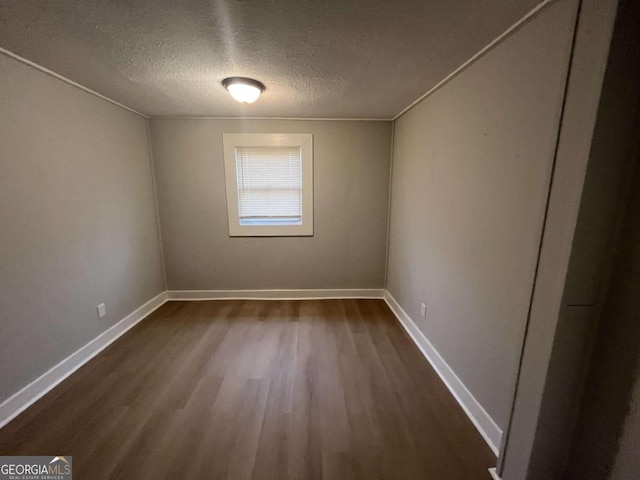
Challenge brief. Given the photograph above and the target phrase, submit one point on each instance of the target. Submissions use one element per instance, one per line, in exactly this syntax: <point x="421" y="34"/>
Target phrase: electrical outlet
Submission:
<point x="102" y="310"/>
<point x="423" y="310"/>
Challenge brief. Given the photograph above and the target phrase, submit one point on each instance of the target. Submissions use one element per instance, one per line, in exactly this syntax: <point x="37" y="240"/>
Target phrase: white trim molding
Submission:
<point x="69" y="81"/>
<point x="489" y="430"/>
<point x="310" y="294"/>
<point x="303" y="144"/>
<point x="496" y="41"/>
<point x="27" y="396"/>
<point x="297" y="119"/>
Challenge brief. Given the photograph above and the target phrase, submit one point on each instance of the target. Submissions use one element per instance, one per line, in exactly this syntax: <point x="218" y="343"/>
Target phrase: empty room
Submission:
<point x="293" y="239"/>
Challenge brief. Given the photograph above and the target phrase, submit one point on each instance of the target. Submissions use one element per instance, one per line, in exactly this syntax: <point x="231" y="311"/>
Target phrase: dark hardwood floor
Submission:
<point x="330" y="389"/>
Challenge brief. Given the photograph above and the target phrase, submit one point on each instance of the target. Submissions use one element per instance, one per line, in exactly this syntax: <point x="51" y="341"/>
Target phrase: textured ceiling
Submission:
<point x="318" y="58"/>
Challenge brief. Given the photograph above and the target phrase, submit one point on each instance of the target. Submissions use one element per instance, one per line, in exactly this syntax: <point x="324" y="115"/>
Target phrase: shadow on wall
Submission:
<point x="615" y="366"/>
<point x="605" y="419"/>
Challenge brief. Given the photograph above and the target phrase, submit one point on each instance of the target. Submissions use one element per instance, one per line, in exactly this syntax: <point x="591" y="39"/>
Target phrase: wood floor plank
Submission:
<point x="264" y="390"/>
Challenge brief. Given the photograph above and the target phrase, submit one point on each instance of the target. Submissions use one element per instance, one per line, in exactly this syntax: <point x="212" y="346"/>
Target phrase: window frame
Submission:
<point x="303" y="140"/>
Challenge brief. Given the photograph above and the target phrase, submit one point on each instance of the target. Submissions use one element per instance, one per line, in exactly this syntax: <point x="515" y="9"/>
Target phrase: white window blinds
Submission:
<point x="269" y="183"/>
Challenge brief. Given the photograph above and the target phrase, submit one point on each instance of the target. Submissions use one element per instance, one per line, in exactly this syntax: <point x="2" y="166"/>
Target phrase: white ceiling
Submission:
<point x="318" y="58"/>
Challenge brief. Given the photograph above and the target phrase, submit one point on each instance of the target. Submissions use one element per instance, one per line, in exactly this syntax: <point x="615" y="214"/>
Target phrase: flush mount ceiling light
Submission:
<point x="244" y="90"/>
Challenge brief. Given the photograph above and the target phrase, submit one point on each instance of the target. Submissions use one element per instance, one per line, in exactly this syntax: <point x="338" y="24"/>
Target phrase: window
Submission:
<point x="269" y="180"/>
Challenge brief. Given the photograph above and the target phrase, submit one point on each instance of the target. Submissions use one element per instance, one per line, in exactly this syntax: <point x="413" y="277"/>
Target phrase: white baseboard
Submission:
<point x="27" y="396"/>
<point x="309" y="294"/>
<point x="478" y="415"/>
<point x="23" y="399"/>
<point x="494" y="474"/>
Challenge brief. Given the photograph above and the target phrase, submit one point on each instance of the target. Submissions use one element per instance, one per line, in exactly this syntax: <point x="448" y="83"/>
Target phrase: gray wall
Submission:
<point x="545" y="325"/>
<point x="627" y="460"/>
<point x="606" y="443"/>
<point x="351" y="183"/>
<point x="601" y="211"/>
<point x="623" y="348"/>
<point x="77" y="216"/>
<point x="611" y="417"/>
<point x="471" y="169"/>
<point x="607" y="436"/>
